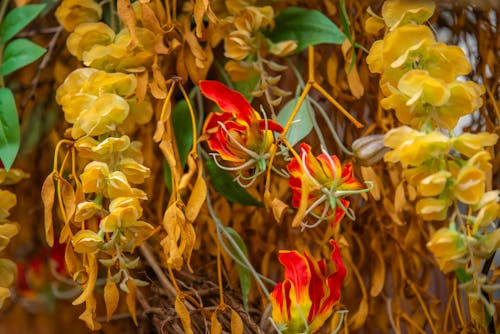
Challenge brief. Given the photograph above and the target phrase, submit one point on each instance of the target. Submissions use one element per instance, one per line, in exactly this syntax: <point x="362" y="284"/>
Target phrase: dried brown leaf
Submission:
<point x="353" y="79"/>
<point x="48" y="193"/>
<point x="236" y="323"/>
<point x="198" y="196"/>
<point x="279" y="209"/>
<point x="130" y="300"/>
<point x="127" y="16"/>
<point x="216" y="327"/>
<point x="183" y="314"/>
<point x="378" y="276"/>
<point x="68" y="198"/>
<point x="111" y="298"/>
<point x="369" y="175"/>
<point x="150" y="21"/>
<point x="142" y="85"/>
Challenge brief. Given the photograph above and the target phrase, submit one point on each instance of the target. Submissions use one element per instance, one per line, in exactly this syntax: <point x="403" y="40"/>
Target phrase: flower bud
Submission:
<point x="370" y="149"/>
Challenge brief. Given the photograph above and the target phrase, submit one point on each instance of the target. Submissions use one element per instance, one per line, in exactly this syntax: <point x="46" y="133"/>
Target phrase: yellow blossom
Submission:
<point x="469" y="144"/>
<point x="71" y="13"/>
<point x="7" y="201"/>
<point x="86" y="210"/>
<point x="117" y="185"/>
<point x="86" y="241"/>
<point x="412" y="147"/>
<point x="7" y="231"/>
<point x="469" y="186"/>
<point x="117" y="56"/>
<point x="434" y="184"/>
<point x="94" y="177"/>
<point x="449" y="248"/>
<point x="105" y="113"/>
<point x="400" y="12"/>
<point x="135" y="172"/>
<point x="86" y="35"/>
<point x="433" y="208"/>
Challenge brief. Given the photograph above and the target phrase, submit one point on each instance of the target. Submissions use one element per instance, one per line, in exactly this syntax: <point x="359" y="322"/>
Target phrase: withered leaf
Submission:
<point x="48" y="193"/>
<point x="183" y="314"/>
<point x="111" y="298"/>
<point x="70" y="259"/>
<point x="91" y="270"/>
<point x="190" y="241"/>
<point x="68" y="198"/>
<point x="378" y="276"/>
<point x="198" y="196"/>
<point x="369" y="174"/>
<point x="279" y="209"/>
<point x="150" y="20"/>
<point x="236" y="323"/>
<point x="130" y="300"/>
<point x="353" y="78"/>
<point x="142" y="85"/>
<point x="216" y="327"/>
<point x="126" y="14"/>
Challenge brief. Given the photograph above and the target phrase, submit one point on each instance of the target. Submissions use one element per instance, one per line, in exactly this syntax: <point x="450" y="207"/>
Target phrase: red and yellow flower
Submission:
<point x="305" y="298"/>
<point x="320" y="184"/>
<point x="239" y="135"/>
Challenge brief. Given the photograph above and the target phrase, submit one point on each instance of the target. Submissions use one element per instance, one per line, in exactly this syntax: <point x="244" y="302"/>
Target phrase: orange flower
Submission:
<point x="326" y="183"/>
<point x="239" y="135"/>
<point x="305" y="298"/>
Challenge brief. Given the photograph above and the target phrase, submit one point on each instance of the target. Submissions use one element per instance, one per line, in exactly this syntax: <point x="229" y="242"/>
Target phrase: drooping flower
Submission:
<point x="400" y="12"/>
<point x="420" y="98"/>
<point x="305" y="298"/>
<point x="239" y="135"/>
<point x="325" y="183"/>
<point x="412" y="147"/>
<point x="449" y="247"/>
<point x="71" y="13"/>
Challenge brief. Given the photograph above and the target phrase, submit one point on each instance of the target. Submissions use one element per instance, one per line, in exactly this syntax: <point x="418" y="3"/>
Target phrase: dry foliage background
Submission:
<point x="393" y="280"/>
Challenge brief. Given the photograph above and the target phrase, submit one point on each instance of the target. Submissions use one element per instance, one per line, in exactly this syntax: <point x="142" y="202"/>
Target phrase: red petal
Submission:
<point x="228" y="100"/>
<point x="213" y="119"/>
<point x="271" y="125"/>
<point x="348" y="180"/>
<point x="316" y="287"/>
<point x="335" y="280"/>
<point x="296" y="271"/>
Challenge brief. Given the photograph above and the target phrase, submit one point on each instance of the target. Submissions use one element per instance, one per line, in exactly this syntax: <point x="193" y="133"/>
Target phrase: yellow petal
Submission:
<point x="433" y="184"/>
<point x="469" y="186"/>
<point x="400" y="12"/>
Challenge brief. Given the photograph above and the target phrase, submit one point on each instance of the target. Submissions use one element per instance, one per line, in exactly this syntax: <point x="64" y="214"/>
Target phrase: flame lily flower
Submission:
<point x="239" y="135"/>
<point x="325" y="182"/>
<point x="305" y="298"/>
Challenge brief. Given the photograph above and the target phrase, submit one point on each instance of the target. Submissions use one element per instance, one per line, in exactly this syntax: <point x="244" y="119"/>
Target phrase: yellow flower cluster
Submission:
<point x="102" y="105"/>
<point x="8" y="229"/>
<point x="97" y="45"/>
<point x="449" y="172"/>
<point x="418" y="74"/>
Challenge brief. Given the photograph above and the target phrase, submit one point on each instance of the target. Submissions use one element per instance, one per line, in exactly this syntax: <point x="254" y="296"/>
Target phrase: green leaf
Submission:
<point x="302" y="124"/>
<point x="307" y="27"/>
<point x="223" y="182"/>
<point x="244" y="273"/>
<point x="183" y="132"/>
<point x="17" y="19"/>
<point x="18" y="53"/>
<point x="9" y="128"/>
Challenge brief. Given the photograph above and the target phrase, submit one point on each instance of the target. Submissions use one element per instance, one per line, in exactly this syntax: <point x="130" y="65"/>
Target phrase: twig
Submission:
<point x="165" y="283"/>
<point x="43" y="65"/>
